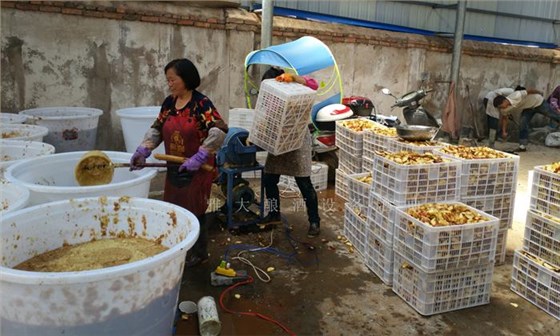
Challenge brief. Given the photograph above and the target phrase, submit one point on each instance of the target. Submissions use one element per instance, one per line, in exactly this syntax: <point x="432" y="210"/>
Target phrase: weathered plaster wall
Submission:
<point x="111" y="55"/>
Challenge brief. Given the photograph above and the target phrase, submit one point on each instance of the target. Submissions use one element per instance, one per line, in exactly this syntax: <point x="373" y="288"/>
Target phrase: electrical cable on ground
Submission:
<point x="261" y="316"/>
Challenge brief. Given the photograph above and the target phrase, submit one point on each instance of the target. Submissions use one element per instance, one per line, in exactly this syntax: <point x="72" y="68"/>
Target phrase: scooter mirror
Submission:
<point x="386" y="91"/>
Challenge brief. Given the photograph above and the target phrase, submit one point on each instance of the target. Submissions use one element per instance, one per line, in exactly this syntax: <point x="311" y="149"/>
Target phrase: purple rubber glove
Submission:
<point x="195" y="162"/>
<point x="139" y="157"/>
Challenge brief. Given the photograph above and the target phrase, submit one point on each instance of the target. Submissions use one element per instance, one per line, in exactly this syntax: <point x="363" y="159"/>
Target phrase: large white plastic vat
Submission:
<point x="23" y="132"/>
<point x="12" y="197"/>
<point x="70" y="128"/>
<point x="12" y="118"/>
<point x="135" y="122"/>
<point x="51" y="178"/>
<point x="11" y="151"/>
<point x="138" y="298"/>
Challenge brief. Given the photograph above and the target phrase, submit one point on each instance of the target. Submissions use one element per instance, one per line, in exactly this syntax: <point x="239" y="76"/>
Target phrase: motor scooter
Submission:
<point x="413" y="111"/>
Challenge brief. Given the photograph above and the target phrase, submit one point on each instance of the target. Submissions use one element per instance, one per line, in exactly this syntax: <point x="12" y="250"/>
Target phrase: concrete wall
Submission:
<point x="111" y="55"/>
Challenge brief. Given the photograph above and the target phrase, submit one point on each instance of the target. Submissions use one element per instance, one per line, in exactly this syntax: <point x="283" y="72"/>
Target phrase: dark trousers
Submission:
<point x="307" y="191"/>
<point x="528" y="114"/>
<point x="200" y="248"/>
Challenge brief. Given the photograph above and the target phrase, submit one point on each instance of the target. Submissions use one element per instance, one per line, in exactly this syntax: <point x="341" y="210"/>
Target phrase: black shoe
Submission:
<point x="314" y="230"/>
<point x="521" y="148"/>
<point x="271" y="218"/>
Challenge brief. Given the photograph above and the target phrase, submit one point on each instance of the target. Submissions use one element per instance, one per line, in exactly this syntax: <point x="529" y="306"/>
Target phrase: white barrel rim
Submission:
<point x="84" y="113"/>
<point x="52" y="278"/>
<point x="77" y="189"/>
<point x="133" y="112"/>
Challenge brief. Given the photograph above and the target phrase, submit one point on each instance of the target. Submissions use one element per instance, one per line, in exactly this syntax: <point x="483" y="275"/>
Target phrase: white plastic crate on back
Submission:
<point x="376" y="140"/>
<point x="341" y="184"/>
<point x="282" y="114"/>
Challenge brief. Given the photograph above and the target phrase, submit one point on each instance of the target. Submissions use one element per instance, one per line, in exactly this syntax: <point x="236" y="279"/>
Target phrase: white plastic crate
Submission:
<point x="349" y="162"/>
<point x="487" y="176"/>
<point x="443" y="291"/>
<point x="500" y="206"/>
<point x="352" y="140"/>
<point x="241" y="117"/>
<point x="397" y="145"/>
<point x="355" y="229"/>
<point x="341" y="184"/>
<point x="545" y="191"/>
<point x="542" y="236"/>
<point x="358" y="191"/>
<point x="282" y="113"/>
<point x="374" y="142"/>
<point x="381" y="218"/>
<point x="445" y="247"/>
<point x="415" y="184"/>
<point x="536" y="283"/>
<point x="380" y="258"/>
<point x="501" y="247"/>
<point x="367" y="165"/>
<point x="319" y="178"/>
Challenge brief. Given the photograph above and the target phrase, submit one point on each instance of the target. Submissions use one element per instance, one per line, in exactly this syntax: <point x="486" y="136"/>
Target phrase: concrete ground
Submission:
<point x="319" y="286"/>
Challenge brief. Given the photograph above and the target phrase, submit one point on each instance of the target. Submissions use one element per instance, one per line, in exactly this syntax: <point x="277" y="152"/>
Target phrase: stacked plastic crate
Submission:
<point x="536" y="267"/>
<point x="444" y="256"/>
<point x="422" y="146"/>
<point x="281" y="116"/>
<point x="350" y="140"/>
<point x="355" y="211"/>
<point x="399" y="179"/>
<point x="488" y="183"/>
<point x="377" y="139"/>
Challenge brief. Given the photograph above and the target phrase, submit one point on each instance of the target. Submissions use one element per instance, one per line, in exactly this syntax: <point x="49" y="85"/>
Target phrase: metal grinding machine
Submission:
<point x="235" y="157"/>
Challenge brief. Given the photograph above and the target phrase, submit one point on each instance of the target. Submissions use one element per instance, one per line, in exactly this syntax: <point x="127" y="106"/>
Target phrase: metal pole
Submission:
<point x="266" y="25"/>
<point x="459" y="29"/>
<point x="457" y="46"/>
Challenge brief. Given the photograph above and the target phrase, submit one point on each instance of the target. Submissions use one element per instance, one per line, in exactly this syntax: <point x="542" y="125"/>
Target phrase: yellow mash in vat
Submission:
<point x="94" y="168"/>
<point x="92" y="255"/>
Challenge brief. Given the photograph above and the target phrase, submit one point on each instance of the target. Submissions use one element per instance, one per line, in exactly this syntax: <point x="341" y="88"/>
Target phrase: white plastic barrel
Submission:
<point x="139" y="298"/>
<point x="23" y="132"/>
<point x="70" y="128"/>
<point x="135" y="122"/>
<point x="13" y="197"/>
<point x="11" y="151"/>
<point x="11" y="118"/>
<point x="51" y="178"/>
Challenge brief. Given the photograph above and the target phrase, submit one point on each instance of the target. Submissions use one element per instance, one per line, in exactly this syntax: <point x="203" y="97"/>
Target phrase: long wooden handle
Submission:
<point x="145" y="165"/>
<point x="179" y="159"/>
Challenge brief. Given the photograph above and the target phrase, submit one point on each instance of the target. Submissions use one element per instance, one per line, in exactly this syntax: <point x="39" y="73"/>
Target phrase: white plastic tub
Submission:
<point x="138" y="298"/>
<point x="51" y="178"/>
<point x="11" y="118"/>
<point x="70" y="128"/>
<point x="13" y="197"/>
<point x="135" y="122"/>
<point x="23" y="132"/>
<point x="11" y="151"/>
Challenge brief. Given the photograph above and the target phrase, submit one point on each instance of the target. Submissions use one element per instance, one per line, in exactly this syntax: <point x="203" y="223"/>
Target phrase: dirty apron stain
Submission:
<point x="182" y="138"/>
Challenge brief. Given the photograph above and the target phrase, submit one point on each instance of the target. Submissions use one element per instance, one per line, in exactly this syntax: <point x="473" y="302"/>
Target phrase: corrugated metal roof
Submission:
<point x="530" y="20"/>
